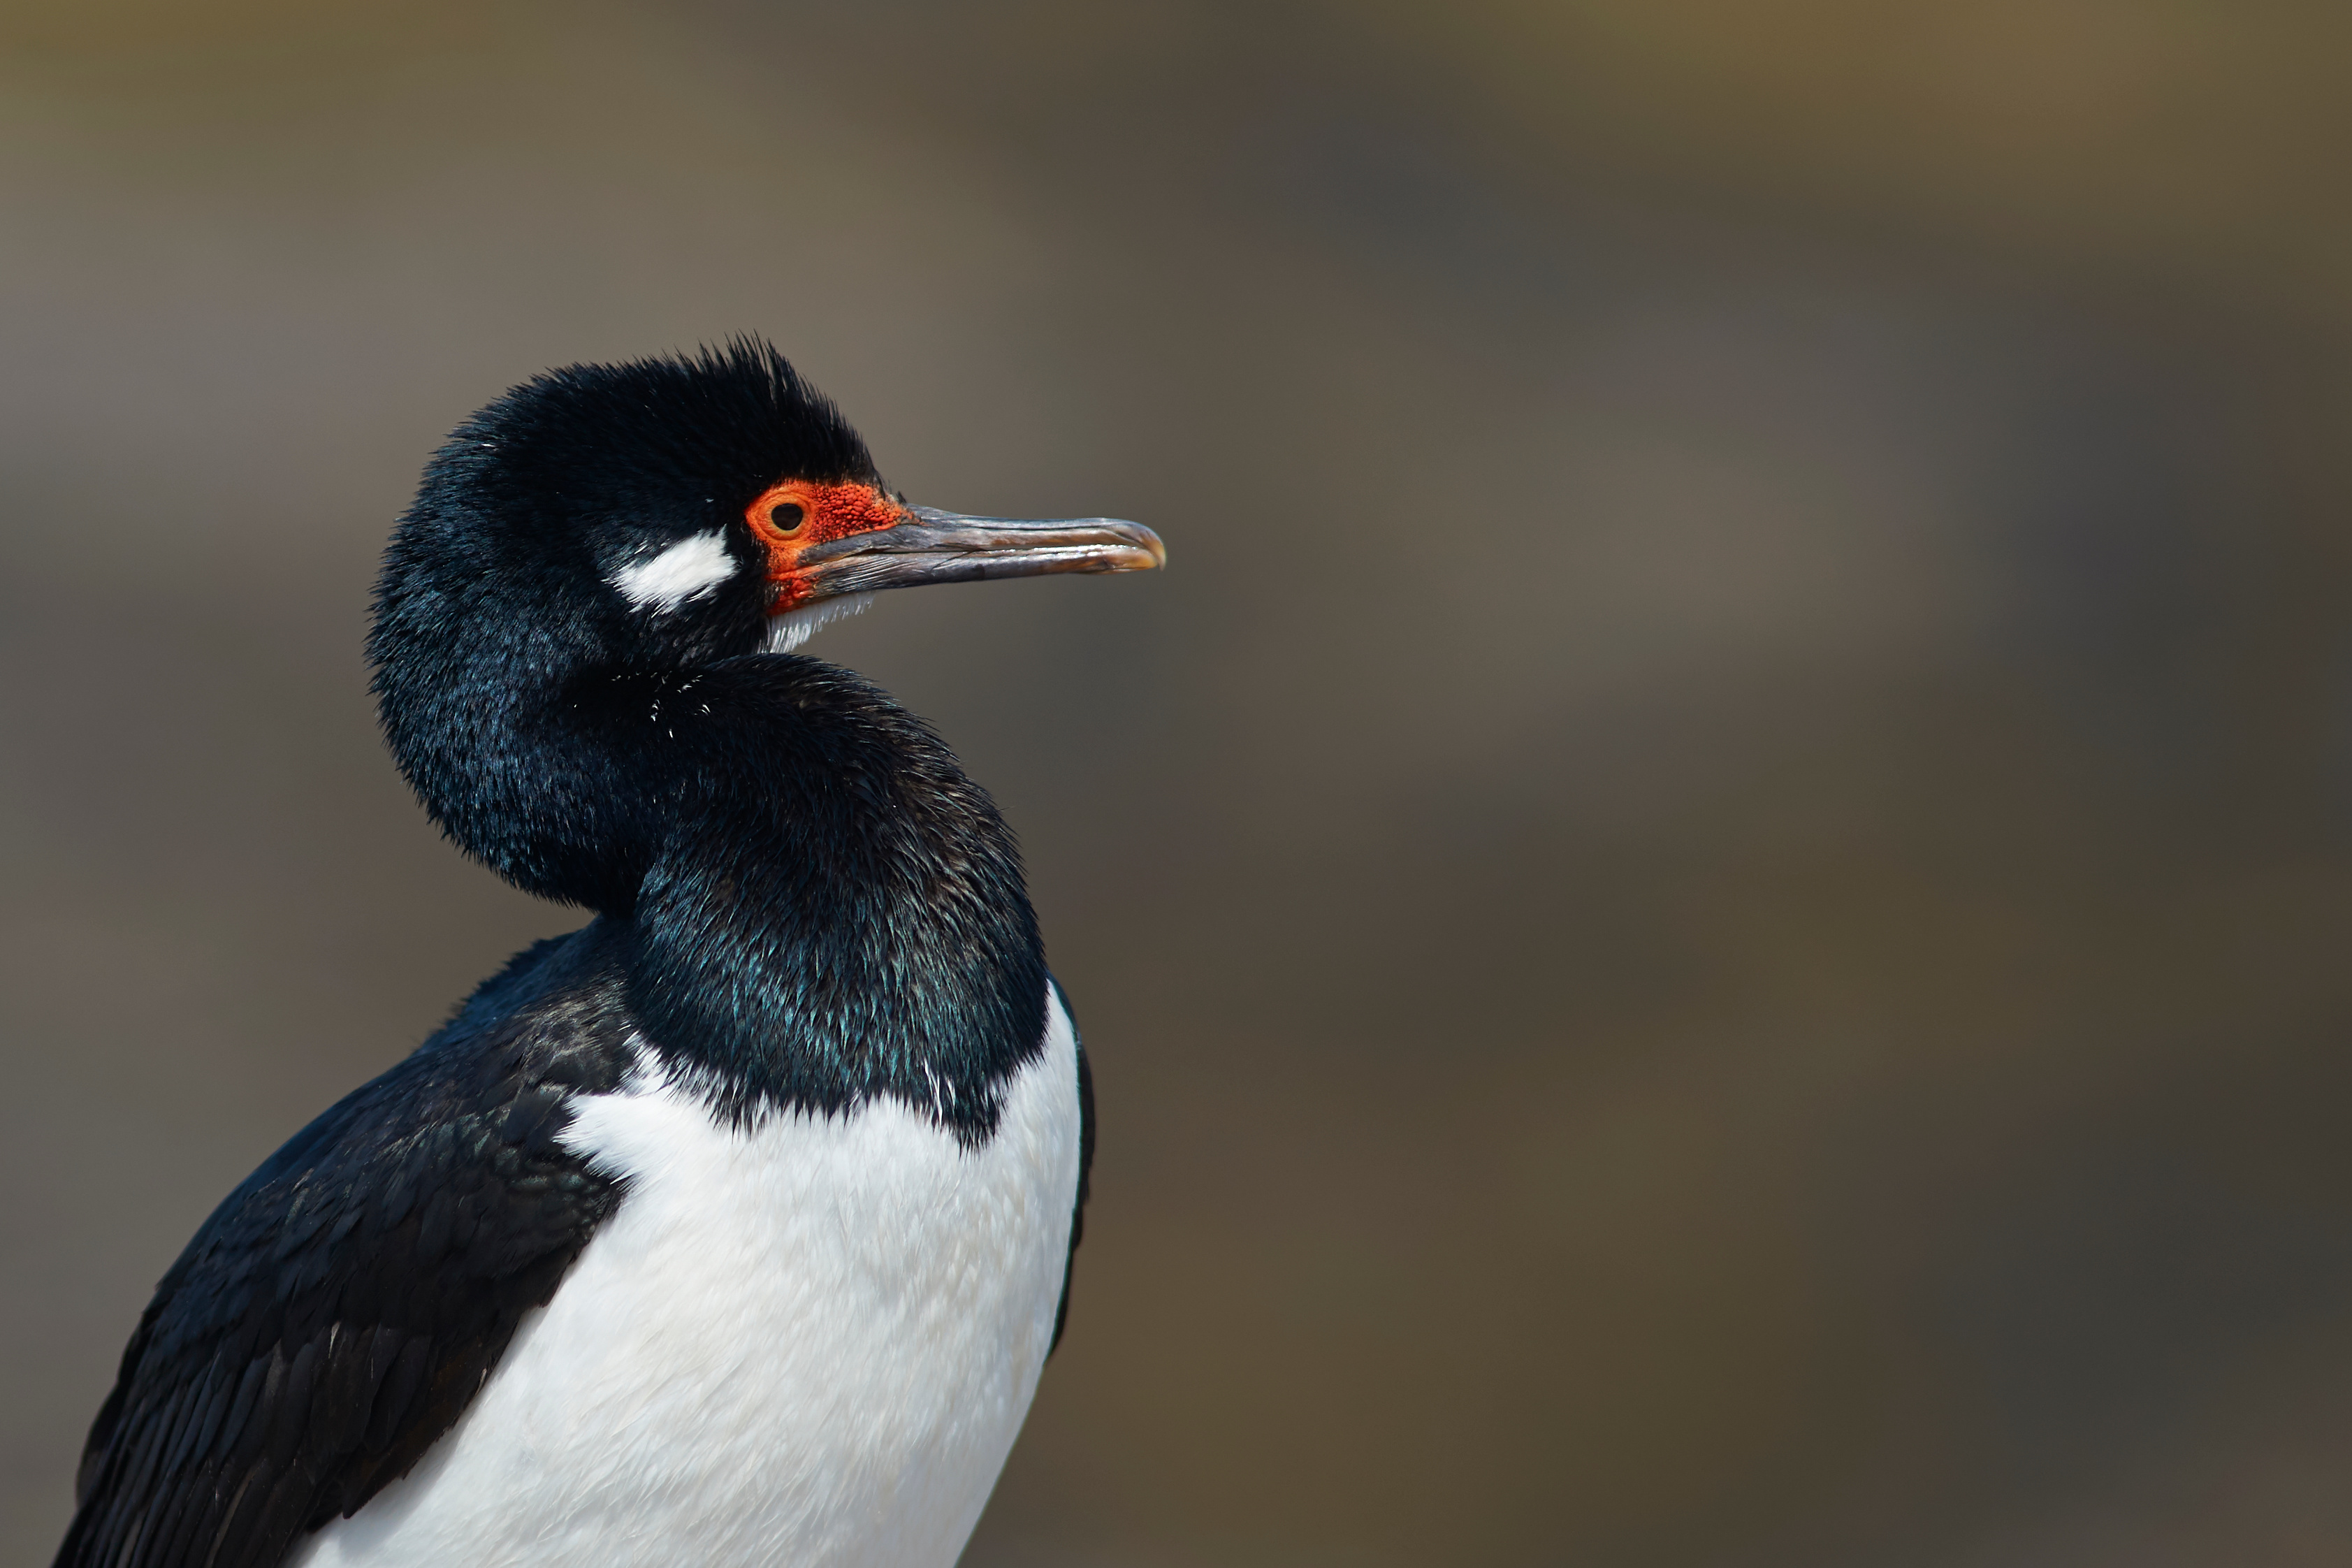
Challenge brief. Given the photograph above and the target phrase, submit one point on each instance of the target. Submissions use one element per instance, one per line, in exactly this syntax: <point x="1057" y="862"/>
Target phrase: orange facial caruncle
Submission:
<point x="790" y="517"/>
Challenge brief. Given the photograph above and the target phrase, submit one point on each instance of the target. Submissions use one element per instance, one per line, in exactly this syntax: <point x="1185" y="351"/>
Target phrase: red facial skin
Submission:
<point x="827" y="512"/>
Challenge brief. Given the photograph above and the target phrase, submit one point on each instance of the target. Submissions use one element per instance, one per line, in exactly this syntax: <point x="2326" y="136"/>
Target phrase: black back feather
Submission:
<point x="339" y="1310"/>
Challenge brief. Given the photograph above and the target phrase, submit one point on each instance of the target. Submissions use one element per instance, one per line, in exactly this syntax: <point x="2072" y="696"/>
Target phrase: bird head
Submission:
<point x="680" y="510"/>
<point x="601" y="530"/>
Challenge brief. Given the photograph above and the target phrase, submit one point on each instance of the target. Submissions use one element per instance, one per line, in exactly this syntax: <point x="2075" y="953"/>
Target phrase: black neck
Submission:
<point x="814" y="906"/>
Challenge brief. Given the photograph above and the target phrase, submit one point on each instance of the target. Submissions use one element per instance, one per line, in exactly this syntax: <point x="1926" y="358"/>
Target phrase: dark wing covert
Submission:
<point x="341" y="1308"/>
<point x="1086" y="1163"/>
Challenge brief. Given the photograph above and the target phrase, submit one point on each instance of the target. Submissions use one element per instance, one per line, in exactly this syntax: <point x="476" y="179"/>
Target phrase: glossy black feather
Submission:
<point x="1086" y="1168"/>
<point x="336" y="1314"/>
<point x="839" y="912"/>
<point x="494" y="617"/>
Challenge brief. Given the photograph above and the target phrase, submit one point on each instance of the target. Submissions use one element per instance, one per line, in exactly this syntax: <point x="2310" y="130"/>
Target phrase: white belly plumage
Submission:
<point x="811" y="1343"/>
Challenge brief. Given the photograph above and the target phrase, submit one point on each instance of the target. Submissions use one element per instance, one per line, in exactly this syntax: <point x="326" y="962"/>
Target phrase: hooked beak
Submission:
<point x="933" y="546"/>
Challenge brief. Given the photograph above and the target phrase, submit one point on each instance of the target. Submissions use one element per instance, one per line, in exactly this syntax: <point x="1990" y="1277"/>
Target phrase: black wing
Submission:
<point x="337" y="1313"/>
<point x="1086" y="1162"/>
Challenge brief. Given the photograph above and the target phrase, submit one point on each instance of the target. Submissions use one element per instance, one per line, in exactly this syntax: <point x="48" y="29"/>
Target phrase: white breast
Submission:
<point x="807" y="1344"/>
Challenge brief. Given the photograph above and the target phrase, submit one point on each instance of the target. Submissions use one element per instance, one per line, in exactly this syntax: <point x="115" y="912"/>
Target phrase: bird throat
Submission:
<point x="845" y="920"/>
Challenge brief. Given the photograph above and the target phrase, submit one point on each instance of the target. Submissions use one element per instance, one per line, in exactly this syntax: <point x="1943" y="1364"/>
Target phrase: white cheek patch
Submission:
<point x="686" y="570"/>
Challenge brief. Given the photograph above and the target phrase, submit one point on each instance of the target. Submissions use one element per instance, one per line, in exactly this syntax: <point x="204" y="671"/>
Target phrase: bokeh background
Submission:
<point x="1712" y="900"/>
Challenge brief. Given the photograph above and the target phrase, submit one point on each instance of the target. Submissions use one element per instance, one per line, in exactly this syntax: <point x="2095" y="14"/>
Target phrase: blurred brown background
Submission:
<point x="1712" y="900"/>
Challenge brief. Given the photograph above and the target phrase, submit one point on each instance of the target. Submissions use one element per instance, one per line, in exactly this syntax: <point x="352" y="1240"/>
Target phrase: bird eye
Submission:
<point x="788" y="516"/>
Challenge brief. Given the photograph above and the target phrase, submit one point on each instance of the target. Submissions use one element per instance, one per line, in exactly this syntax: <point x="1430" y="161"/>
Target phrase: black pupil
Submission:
<point x="787" y="516"/>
